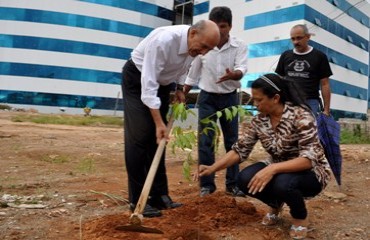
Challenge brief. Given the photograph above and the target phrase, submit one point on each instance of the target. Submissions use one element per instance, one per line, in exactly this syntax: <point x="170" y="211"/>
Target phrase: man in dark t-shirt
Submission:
<point x="309" y="68"/>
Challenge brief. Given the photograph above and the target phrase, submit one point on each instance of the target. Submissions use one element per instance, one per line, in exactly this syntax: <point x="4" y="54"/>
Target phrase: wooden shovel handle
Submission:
<point x="152" y="171"/>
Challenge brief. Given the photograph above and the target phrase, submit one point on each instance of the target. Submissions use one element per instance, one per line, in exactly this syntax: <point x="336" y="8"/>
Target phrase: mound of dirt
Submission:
<point x="199" y="218"/>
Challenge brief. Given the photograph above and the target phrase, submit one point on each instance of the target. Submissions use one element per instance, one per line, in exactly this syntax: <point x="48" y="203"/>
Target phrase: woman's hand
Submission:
<point x="204" y="170"/>
<point x="261" y="179"/>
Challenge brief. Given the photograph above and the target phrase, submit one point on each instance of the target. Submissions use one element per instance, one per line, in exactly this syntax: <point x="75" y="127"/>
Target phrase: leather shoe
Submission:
<point x="204" y="191"/>
<point x="234" y="191"/>
<point x="148" y="211"/>
<point x="164" y="202"/>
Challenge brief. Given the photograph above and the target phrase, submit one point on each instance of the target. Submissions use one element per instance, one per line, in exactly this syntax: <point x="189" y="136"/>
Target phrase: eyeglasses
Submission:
<point x="298" y="38"/>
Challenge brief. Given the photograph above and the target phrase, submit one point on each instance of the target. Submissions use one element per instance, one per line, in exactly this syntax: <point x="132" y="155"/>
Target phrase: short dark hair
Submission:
<point x="221" y="14"/>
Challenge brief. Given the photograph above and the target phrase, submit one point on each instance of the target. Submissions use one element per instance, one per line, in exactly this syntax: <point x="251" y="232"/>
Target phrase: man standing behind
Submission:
<point x="159" y="60"/>
<point x="217" y="74"/>
<point x="308" y="67"/>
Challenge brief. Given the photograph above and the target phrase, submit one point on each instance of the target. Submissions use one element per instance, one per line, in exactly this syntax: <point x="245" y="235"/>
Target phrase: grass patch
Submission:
<point x="55" y="158"/>
<point x="5" y="107"/>
<point x="70" y="120"/>
<point x="355" y="137"/>
<point x="87" y="165"/>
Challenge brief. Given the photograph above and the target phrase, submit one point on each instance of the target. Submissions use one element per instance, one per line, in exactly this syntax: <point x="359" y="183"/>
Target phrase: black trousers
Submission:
<point x="140" y="135"/>
<point x="290" y="188"/>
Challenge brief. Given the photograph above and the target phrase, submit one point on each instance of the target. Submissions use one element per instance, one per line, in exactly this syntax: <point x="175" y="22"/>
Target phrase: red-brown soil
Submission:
<point x="78" y="175"/>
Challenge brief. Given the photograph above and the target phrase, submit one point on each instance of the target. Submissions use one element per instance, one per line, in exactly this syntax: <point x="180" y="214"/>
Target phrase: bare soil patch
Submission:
<point x="76" y="175"/>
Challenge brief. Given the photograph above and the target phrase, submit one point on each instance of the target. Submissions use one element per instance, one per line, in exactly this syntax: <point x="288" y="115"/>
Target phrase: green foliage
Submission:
<point x="183" y="140"/>
<point x="5" y="107"/>
<point x="69" y="120"/>
<point x="354" y="137"/>
<point x="186" y="139"/>
<point x="86" y="165"/>
<point x="180" y="111"/>
<point x="211" y="121"/>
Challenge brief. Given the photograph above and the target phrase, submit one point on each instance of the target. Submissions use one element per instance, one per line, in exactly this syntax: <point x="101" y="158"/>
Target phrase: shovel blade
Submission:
<point x="138" y="228"/>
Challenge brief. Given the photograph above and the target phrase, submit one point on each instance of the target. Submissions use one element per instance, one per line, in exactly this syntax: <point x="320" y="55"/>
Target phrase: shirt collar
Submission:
<point x="233" y="42"/>
<point x="230" y="43"/>
<point x="184" y="41"/>
<point x="304" y="53"/>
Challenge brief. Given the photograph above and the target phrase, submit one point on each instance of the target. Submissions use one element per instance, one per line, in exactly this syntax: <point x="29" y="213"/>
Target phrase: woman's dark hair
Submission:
<point x="221" y="14"/>
<point x="272" y="84"/>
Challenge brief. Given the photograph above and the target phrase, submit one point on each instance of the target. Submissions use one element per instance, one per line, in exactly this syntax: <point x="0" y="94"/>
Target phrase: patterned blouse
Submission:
<point x="294" y="136"/>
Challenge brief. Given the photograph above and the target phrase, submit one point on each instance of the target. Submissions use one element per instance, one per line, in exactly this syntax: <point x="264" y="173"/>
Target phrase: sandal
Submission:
<point x="298" y="232"/>
<point x="270" y="219"/>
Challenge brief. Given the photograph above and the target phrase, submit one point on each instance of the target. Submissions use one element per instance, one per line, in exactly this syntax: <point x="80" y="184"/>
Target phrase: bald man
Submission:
<point x="159" y="60"/>
<point x="308" y="67"/>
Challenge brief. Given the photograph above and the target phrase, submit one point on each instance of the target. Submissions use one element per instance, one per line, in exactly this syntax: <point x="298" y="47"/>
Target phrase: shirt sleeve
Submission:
<point x="245" y="144"/>
<point x="194" y="73"/>
<point x="241" y="59"/>
<point x="154" y="61"/>
<point x="280" y="66"/>
<point x="325" y="70"/>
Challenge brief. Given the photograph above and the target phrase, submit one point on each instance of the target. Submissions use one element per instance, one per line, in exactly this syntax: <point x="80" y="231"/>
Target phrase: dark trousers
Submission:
<point x="314" y="105"/>
<point x="140" y="136"/>
<point x="289" y="188"/>
<point x="209" y="104"/>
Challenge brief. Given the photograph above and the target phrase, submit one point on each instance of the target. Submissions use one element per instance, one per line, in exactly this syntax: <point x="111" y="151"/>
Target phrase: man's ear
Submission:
<point x="193" y="32"/>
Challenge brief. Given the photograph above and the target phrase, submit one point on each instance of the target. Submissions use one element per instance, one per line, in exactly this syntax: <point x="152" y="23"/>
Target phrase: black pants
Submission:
<point x="139" y="135"/>
<point x="290" y="188"/>
<point x="209" y="104"/>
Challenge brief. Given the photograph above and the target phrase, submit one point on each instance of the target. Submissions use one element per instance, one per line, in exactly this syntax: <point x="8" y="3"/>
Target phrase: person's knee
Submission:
<point x="243" y="181"/>
<point x="300" y="213"/>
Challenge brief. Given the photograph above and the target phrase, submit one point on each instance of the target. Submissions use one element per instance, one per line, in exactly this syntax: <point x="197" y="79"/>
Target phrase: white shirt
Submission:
<point x="206" y="70"/>
<point x="162" y="58"/>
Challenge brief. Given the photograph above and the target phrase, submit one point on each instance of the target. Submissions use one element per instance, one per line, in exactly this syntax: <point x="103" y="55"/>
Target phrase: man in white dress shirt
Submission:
<point x="159" y="60"/>
<point x="218" y="75"/>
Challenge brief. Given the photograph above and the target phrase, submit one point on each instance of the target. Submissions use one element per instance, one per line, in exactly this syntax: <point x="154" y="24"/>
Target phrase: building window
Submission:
<point x="335" y="3"/>
<point x="318" y="22"/>
<point x="333" y="60"/>
<point x="363" y="21"/>
<point x="363" y="46"/>
<point x="360" y="96"/>
<point x="347" y="93"/>
<point x="349" y="66"/>
<point x="361" y="70"/>
<point x="349" y="39"/>
<point x="184" y="11"/>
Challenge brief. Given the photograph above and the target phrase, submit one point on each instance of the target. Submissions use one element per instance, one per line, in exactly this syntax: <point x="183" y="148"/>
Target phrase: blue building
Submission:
<point x="340" y="28"/>
<point x="69" y="54"/>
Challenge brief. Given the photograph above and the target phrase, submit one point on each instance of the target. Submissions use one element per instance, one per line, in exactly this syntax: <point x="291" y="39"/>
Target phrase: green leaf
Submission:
<point x="184" y="116"/>
<point x="219" y="114"/>
<point x="228" y="114"/>
<point x="191" y="112"/>
<point x="234" y="110"/>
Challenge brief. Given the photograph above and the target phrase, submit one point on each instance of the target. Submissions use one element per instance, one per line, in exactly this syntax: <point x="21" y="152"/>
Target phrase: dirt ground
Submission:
<point x="65" y="182"/>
